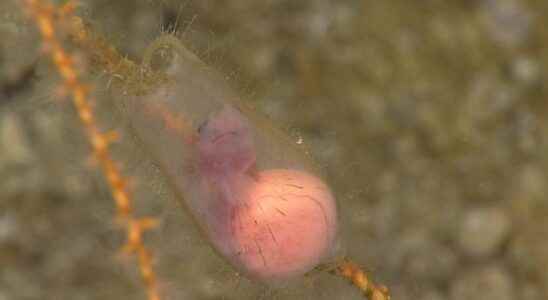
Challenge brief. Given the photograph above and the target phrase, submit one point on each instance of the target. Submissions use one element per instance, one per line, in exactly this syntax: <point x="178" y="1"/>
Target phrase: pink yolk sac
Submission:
<point x="277" y="224"/>
<point x="287" y="225"/>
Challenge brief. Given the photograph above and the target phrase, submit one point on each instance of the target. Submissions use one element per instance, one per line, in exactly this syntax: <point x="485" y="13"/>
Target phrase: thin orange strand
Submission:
<point x="45" y="14"/>
<point x="353" y="273"/>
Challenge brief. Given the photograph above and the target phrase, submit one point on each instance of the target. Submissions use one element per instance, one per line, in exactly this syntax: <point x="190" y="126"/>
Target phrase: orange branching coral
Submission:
<point x="46" y="17"/>
<point x="358" y="278"/>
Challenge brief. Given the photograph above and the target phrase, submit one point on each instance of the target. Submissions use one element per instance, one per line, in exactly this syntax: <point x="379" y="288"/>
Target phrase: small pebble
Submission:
<point x="483" y="231"/>
<point x="426" y="259"/>
<point x="508" y="22"/>
<point x="14" y="146"/>
<point x="432" y="294"/>
<point x="530" y="291"/>
<point x="526" y="70"/>
<point x="485" y="283"/>
<point x="8" y="228"/>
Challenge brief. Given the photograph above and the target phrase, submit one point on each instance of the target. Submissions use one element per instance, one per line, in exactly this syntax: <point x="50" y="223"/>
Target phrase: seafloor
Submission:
<point x="429" y="117"/>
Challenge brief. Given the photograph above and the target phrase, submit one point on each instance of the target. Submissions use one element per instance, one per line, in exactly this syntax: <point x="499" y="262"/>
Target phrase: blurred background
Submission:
<point x="429" y="119"/>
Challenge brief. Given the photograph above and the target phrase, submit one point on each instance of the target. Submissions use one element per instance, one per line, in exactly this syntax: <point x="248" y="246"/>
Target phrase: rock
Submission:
<point x="426" y="259"/>
<point x="8" y="228"/>
<point x="432" y="294"/>
<point x="483" y="231"/>
<point x="530" y="291"/>
<point x="525" y="69"/>
<point x="508" y="22"/>
<point x="14" y="145"/>
<point x="485" y="283"/>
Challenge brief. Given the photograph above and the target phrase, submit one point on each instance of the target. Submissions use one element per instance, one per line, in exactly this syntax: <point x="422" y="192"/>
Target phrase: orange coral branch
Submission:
<point x="45" y="14"/>
<point x="359" y="279"/>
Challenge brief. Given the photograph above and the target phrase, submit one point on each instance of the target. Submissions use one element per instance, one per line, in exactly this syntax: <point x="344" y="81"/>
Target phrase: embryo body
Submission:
<point x="271" y="224"/>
